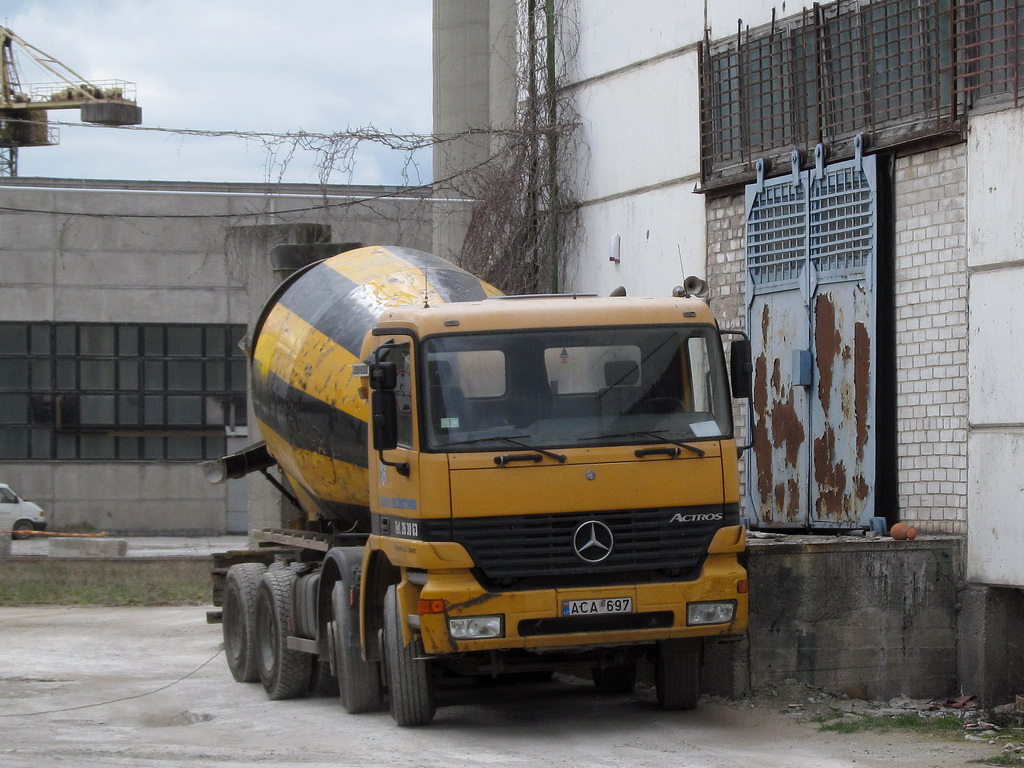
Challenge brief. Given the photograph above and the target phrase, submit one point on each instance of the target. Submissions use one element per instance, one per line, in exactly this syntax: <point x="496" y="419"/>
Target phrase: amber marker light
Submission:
<point x="743" y="586"/>
<point x="424" y="607"/>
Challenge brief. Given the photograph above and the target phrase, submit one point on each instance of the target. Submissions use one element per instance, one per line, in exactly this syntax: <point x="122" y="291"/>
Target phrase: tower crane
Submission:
<point x="23" y="108"/>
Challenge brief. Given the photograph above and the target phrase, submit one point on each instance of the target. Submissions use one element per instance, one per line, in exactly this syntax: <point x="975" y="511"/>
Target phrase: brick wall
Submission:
<point x="726" y="275"/>
<point x="931" y="338"/>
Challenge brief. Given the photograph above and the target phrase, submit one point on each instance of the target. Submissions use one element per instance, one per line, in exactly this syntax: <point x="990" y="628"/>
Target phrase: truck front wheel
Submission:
<point x="239" y="622"/>
<point x="677" y="669"/>
<point x="358" y="680"/>
<point x="410" y="686"/>
<point x="284" y="673"/>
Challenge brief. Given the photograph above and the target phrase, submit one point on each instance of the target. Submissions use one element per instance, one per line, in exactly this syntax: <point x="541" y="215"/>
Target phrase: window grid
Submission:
<point x="894" y="70"/>
<point x="77" y="391"/>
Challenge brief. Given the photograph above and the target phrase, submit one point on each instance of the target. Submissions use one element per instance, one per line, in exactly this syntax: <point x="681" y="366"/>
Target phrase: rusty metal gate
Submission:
<point x="811" y="242"/>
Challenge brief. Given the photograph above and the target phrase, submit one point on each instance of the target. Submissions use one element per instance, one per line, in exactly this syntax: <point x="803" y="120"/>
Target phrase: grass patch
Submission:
<point x="942" y="726"/>
<point x="105" y="582"/>
<point x="1006" y="758"/>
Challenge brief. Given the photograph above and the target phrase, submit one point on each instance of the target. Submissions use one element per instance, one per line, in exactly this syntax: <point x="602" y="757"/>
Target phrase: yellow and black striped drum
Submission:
<point x="305" y="346"/>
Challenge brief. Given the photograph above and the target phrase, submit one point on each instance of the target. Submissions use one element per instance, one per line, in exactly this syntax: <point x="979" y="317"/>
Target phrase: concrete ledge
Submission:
<point x="88" y="547"/>
<point x="874" y="618"/>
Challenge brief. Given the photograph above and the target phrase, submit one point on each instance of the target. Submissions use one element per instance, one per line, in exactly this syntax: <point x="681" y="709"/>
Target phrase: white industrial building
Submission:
<point x="848" y="177"/>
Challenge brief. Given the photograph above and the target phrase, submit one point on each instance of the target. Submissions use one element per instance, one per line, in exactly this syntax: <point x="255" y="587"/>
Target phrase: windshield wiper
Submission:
<point x="481" y="440"/>
<point x="502" y="460"/>
<point x="654" y="436"/>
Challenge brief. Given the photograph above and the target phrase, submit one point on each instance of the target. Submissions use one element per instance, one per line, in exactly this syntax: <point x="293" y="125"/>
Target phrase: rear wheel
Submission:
<point x="617" y="679"/>
<point x="22" y="525"/>
<point x="677" y="680"/>
<point x="239" y="622"/>
<point x="358" y="681"/>
<point x="410" y="687"/>
<point x="284" y="673"/>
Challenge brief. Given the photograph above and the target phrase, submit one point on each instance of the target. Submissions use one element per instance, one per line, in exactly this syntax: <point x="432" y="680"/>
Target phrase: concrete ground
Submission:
<point x="119" y="687"/>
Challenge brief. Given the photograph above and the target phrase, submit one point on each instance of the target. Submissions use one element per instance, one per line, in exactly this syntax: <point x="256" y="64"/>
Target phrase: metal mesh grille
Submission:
<point x="841" y="223"/>
<point x="895" y="70"/>
<point x="777" y="234"/>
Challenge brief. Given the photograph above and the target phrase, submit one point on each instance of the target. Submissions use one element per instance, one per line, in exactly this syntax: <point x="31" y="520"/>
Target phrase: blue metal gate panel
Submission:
<point x="810" y="256"/>
<point x="841" y="244"/>
<point x="777" y="319"/>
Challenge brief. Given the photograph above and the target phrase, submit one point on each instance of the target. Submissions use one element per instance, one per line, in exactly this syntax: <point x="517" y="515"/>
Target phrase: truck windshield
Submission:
<point x="577" y="387"/>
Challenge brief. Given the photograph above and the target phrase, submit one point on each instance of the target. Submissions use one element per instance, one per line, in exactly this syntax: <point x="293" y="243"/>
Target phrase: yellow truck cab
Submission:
<point x="554" y="472"/>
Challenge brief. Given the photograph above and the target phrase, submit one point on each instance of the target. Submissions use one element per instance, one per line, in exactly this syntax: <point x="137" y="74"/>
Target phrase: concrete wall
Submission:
<point x="645" y="199"/>
<point x="873" y="619"/>
<point x="995" y="189"/>
<point x="152" y="252"/>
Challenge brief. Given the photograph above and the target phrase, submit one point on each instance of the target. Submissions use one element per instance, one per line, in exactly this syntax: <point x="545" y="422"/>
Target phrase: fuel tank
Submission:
<point x="304" y="347"/>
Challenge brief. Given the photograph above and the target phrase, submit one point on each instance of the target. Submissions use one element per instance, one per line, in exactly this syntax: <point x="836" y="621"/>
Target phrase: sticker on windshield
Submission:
<point x="450" y="422"/>
<point x="705" y="428"/>
<point x="403" y="393"/>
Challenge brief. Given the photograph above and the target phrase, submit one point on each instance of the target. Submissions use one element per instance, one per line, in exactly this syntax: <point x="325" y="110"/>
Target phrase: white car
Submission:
<point x="16" y="514"/>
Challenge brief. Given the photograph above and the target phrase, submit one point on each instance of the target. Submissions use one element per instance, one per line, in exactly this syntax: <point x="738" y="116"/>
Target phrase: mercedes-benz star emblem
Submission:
<point x="593" y="541"/>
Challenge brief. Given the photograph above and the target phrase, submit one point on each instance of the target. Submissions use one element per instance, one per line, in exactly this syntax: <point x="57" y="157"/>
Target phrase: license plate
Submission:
<point x="601" y="605"/>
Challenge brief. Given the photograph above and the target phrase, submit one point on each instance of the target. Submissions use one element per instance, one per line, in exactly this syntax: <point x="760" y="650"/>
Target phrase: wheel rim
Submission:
<point x="233" y="638"/>
<point x="268" y="640"/>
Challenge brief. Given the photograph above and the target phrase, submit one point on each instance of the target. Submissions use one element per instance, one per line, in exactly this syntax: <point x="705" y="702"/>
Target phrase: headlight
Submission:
<point x="476" y="627"/>
<point x="710" y="613"/>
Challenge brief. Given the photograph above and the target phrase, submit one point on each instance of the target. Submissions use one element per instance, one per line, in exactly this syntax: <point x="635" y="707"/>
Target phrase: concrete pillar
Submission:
<point x="474" y="88"/>
<point x="991" y="643"/>
<point x="249" y="253"/>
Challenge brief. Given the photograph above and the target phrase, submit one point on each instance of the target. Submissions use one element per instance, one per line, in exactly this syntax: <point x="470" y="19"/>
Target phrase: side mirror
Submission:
<point x="384" y="407"/>
<point x="383" y="376"/>
<point x="741" y="368"/>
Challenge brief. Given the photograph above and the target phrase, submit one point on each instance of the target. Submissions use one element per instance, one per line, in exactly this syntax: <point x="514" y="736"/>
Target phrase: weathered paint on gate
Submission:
<point x="811" y="240"/>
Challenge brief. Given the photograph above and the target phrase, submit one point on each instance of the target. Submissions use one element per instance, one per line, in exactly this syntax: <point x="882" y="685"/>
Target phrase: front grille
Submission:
<point x="563" y="625"/>
<point x="539" y="548"/>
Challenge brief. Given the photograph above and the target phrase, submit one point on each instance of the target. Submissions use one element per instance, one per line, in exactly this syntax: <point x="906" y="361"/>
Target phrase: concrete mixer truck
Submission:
<point x="490" y="485"/>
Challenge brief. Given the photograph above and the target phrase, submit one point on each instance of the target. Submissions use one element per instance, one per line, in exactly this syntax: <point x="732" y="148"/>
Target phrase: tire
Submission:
<point x="323" y="681"/>
<point x="22" y="525"/>
<point x="677" y="674"/>
<point x="617" y="679"/>
<point x="285" y="674"/>
<point x="358" y="681"/>
<point x="239" y="622"/>
<point x="410" y="687"/>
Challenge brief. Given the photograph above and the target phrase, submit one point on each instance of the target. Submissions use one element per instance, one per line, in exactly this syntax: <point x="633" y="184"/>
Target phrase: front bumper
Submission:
<point x="534" y="620"/>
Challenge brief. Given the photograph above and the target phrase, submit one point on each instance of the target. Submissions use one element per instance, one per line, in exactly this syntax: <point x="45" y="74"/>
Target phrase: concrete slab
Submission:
<point x="143" y="546"/>
<point x="73" y="547"/>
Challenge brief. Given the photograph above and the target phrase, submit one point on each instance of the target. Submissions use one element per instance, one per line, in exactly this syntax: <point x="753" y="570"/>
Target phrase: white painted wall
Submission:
<point x="640" y="128"/>
<point x="661" y="241"/>
<point x="995" y="183"/>
<point x="615" y="35"/>
<point x="638" y="100"/>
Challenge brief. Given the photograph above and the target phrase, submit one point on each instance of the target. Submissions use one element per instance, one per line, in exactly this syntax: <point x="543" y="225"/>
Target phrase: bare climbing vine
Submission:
<point x="525" y="216"/>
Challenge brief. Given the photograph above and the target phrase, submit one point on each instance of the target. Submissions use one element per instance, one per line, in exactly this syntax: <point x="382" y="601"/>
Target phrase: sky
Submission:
<point x="263" y="66"/>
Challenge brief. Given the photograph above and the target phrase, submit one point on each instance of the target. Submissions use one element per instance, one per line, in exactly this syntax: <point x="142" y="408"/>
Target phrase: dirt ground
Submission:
<point x="150" y="687"/>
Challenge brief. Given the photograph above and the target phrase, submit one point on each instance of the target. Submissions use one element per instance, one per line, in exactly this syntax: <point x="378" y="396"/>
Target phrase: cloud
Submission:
<point x="234" y="65"/>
